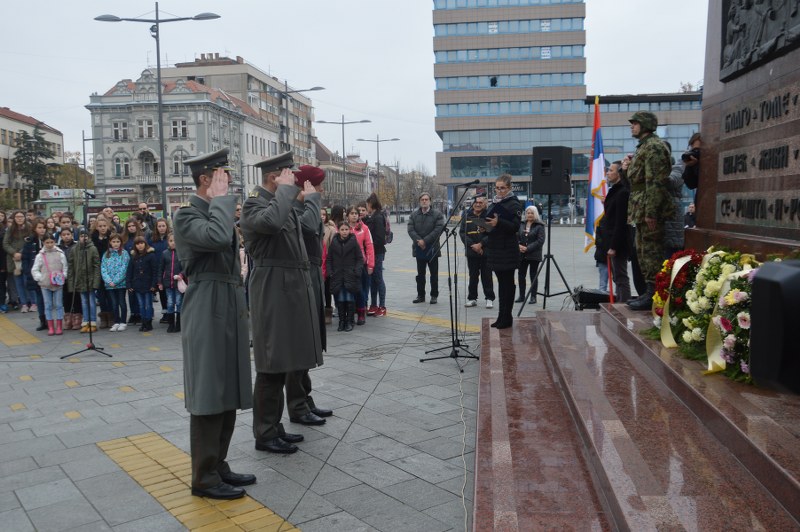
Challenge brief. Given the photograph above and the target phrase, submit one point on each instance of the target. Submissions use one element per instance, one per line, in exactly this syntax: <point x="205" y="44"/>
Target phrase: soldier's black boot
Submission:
<point x="646" y="301"/>
<point x="170" y="322"/>
<point x="351" y="311"/>
<point x="340" y="309"/>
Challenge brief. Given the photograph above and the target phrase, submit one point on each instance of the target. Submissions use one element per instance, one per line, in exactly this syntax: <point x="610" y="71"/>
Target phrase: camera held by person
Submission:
<point x="691" y="157"/>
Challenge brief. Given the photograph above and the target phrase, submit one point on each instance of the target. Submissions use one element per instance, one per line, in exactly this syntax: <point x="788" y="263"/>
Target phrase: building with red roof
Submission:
<point x="197" y="119"/>
<point x="15" y="189"/>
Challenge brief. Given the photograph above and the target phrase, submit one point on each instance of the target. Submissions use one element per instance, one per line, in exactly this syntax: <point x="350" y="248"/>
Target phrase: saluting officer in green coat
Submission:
<point x="299" y="402"/>
<point x="215" y="336"/>
<point x="286" y="333"/>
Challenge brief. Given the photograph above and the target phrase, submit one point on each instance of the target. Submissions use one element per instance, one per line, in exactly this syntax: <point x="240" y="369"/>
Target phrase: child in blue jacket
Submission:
<point x="114" y="270"/>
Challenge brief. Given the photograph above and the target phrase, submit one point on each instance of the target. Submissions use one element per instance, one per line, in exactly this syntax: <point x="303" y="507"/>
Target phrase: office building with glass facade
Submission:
<point x="510" y="76"/>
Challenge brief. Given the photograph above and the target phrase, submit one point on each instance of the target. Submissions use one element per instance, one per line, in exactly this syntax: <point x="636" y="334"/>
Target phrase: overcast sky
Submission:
<point x="374" y="57"/>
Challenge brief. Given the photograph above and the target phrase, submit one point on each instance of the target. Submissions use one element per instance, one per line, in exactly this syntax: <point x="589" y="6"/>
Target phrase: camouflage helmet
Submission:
<point x="646" y="119"/>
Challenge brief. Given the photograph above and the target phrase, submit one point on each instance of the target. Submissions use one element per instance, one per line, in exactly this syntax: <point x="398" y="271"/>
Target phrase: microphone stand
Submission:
<point x="456" y="346"/>
<point x="91" y="345"/>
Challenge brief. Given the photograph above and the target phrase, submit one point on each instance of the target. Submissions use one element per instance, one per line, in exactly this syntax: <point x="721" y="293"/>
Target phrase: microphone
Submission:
<point x="475" y="182"/>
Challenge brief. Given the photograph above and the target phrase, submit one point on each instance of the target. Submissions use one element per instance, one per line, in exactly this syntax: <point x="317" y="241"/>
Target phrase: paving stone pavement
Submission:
<point x="397" y="454"/>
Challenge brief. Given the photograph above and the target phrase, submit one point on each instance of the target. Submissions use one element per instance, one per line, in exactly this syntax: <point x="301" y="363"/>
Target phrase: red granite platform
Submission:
<point x="530" y="473"/>
<point x="583" y="425"/>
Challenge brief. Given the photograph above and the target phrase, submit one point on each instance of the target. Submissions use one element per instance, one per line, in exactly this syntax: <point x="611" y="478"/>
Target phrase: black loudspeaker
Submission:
<point x="774" y="316"/>
<point x="551" y="170"/>
<point x="589" y="298"/>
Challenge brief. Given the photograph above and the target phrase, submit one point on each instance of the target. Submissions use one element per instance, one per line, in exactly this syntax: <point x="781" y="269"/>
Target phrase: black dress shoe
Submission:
<point x="220" y="491"/>
<point x="276" y="445"/>
<point x="308" y="419"/>
<point x="292" y="438"/>
<point x="433" y="300"/>
<point x="322" y="412"/>
<point x="420" y="299"/>
<point x="504" y="324"/>
<point x="238" y="479"/>
<point x="520" y="299"/>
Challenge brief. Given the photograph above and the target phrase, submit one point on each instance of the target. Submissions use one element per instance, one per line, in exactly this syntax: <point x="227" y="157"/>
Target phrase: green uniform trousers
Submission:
<point x="650" y="250"/>
<point x="268" y="406"/>
<point x="298" y="390"/>
<point x="210" y="437"/>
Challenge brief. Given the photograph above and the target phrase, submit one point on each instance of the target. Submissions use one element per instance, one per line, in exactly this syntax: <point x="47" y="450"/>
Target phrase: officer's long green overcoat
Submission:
<point x="214" y="328"/>
<point x="286" y="334"/>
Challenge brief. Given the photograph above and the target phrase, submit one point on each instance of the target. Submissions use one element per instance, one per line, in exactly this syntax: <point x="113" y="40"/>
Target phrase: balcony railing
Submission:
<point x="152" y="178"/>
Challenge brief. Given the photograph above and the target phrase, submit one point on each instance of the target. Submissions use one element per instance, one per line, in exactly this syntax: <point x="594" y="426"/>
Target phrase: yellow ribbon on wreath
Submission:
<point x="666" y="329"/>
<point x="713" y="337"/>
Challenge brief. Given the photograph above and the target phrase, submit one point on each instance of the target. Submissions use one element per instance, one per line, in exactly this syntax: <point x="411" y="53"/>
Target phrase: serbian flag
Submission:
<point x="597" y="182"/>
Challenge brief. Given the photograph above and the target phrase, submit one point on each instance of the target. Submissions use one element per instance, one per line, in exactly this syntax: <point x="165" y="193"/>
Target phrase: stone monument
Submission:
<point x="749" y="192"/>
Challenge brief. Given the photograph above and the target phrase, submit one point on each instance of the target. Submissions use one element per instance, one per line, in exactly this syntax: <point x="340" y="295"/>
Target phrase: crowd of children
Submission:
<point x="107" y="275"/>
<point x="71" y="276"/>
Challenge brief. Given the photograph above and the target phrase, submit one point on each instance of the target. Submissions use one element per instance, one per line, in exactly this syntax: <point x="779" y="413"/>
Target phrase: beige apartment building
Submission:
<point x="279" y="104"/>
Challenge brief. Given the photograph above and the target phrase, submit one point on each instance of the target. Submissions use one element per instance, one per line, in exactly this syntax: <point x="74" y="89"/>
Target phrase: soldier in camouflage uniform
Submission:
<point x="650" y="203"/>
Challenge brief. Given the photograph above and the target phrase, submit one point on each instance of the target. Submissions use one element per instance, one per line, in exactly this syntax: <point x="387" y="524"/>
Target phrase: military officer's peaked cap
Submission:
<point x="206" y="163"/>
<point x="276" y="163"/>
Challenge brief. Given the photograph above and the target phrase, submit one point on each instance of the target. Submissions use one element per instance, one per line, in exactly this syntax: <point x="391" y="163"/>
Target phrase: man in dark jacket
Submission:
<point x="282" y="300"/>
<point x="147" y="219"/>
<point x="424" y="227"/>
<point x="216" y="354"/>
<point x="475" y="238"/>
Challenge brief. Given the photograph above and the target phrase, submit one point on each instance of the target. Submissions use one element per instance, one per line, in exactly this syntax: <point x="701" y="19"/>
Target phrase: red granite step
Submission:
<point x="760" y="427"/>
<point x="530" y="472"/>
<point x="655" y="463"/>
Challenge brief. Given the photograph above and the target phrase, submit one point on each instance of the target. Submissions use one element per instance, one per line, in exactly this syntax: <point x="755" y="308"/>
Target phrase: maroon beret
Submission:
<point x="309" y="173"/>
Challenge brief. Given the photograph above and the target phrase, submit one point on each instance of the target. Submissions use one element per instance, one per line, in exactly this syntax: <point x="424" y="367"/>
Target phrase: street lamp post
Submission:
<point x="155" y="32"/>
<point x="285" y="98"/>
<point x="344" y="156"/>
<point x="377" y="140"/>
<point x="396" y="169"/>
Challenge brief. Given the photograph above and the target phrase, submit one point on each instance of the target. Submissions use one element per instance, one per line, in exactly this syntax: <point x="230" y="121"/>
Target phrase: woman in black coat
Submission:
<point x="376" y="223"/>
<point x="502" y="249"/>
<point x="344" y="264"/>
<point x="613" y="234"/>
<point x="531" y="240"/>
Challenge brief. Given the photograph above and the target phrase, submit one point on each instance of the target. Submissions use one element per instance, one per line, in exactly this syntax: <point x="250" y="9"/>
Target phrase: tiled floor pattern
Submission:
<point x="164" y="471"/>
<point x="431" y="320"/>
<point x="13" y="335"/>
